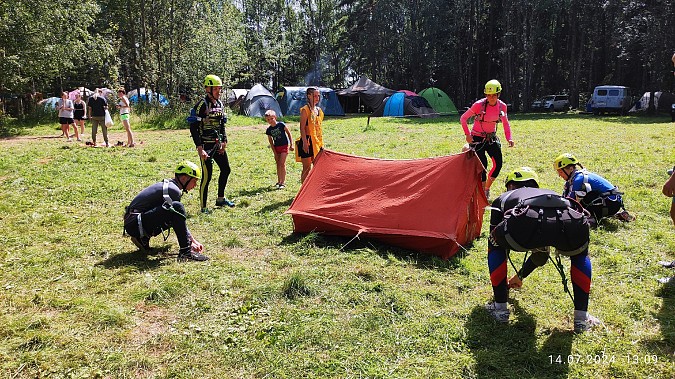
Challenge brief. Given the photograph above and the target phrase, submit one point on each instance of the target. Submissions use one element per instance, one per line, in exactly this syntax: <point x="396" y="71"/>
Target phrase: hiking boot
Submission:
<point x="220" y="203"/>
<point x="589" y="323"/>
<point x="500" y="315"/>
<point x="625" y="216"/>
<point x="192" y="256"/>
<point x="143" y="243"/>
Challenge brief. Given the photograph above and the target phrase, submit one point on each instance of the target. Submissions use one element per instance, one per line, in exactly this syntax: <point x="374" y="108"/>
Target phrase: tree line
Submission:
<point x="534" y="47"/>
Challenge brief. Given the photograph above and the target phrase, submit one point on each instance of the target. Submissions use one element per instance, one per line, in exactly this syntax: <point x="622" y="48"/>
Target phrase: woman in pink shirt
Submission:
<point x="487" y="113"/>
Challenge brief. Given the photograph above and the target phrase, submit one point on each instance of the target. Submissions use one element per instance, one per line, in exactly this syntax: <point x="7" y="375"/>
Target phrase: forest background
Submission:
<point x="534" y="47"/>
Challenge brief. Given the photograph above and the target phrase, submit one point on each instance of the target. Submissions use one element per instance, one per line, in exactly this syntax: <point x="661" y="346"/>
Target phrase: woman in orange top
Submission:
<point x="311" y="136"/>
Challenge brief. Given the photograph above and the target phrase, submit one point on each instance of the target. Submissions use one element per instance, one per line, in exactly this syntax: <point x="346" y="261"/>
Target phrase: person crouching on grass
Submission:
<point x="510" y="227"/>
<point x="280" y="139"/>
<point x="157" y="208"/>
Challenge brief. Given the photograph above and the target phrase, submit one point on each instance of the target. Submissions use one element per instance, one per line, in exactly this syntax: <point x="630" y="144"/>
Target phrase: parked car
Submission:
<point x="552" y="103"/>
<point x="537" y="105"/>
<point x="557" y="103"/>
<point x="610" y="99"/>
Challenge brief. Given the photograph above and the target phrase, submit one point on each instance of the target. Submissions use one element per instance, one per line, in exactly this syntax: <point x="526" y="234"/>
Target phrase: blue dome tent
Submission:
<point x="147" y="96"/>
<point x="291" y="99"/>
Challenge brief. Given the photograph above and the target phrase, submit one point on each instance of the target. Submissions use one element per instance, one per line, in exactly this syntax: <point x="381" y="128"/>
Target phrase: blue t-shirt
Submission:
<point x="580" y="189"/>
<point x="278" y="134"/>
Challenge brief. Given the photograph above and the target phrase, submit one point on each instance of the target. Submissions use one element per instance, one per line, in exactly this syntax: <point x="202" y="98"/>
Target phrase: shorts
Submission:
<point x="80" y="118"/>
<point x="281" y="149"/>
<point x="66" y="121"/>
<point x="124" y="116"/>
<point x="301" y="152"/>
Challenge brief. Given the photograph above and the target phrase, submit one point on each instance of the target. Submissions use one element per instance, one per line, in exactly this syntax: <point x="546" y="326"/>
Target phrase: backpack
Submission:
<point x="545" y="220"/>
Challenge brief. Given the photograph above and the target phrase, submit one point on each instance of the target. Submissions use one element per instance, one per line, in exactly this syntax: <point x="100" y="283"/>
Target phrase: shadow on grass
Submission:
<point x="253" y="192"/>
<point x="350" y="244"/>
<point x="141" y="260"/>
<point x="665" y="346"/>
<point x="510" y="351"/>
<point x="275" y="206"/>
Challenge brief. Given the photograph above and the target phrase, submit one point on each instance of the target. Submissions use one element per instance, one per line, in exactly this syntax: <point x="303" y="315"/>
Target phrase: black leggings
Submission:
<point x="207" y="170"/>
<point x="494" y="150"/>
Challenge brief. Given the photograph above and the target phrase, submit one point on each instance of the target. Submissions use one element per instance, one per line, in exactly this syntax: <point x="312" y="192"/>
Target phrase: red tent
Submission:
<point x="431" y="205"/>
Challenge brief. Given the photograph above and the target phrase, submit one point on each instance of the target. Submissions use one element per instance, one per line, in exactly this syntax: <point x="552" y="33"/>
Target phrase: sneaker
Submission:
<point x="589" y="323"/>
<point x="220" y="203"/>
<point x="280" y="186"/>
<point x="625" y="216"/>
<point x="69" y="139"/>
<point x="79" y="140"/>
<point x="142" y="243"/>
<point x="500" y="315"/>
<point x="206" y="211"/>
<point x="192" y="256"/>
<point x="667" y="264"/>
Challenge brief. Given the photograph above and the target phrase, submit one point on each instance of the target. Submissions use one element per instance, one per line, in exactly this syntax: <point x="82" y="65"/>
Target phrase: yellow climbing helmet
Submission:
<point x="492" y="87"/>
<point x="190" y="169"/>
<point x="564" y="160"/>
<point x="212" y="81"/>
<point x="522" y="174"/>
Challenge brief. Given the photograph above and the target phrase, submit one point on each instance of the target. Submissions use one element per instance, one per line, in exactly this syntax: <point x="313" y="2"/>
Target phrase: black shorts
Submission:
<point x="301" y="151"/>
<point x="66" y="121"/>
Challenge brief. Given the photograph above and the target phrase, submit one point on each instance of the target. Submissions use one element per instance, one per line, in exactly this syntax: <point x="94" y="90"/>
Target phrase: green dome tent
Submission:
<point x="439" y="100"/>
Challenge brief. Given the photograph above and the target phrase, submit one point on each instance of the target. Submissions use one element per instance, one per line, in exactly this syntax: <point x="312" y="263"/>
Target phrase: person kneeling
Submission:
<point x="158" y="208"/>
<point x="600" y="197"/>
<point x="518" y="222"/>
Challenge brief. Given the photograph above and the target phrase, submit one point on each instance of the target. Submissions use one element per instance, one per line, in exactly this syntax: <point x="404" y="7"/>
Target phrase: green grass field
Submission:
<point x="78" y="301"/>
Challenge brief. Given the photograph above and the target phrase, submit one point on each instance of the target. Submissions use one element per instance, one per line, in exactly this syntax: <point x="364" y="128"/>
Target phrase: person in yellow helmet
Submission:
<point x="158" y="208"/>
<point x="600" y="197"/>
<point x="511" y="229"/>
<point x="207" y="127"/>
<point x="487" y="113"/>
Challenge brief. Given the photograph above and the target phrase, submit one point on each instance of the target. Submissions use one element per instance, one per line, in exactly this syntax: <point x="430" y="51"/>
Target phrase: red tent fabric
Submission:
<point x="431" y="205"/>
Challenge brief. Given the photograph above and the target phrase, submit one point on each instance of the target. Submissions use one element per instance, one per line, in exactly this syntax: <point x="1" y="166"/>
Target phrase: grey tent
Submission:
<point x="370" y="93"/>
<point x="258" y="101"/>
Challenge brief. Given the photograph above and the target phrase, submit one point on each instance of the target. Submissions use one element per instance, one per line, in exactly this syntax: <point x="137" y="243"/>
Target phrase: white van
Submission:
<point x="611" y="99"/>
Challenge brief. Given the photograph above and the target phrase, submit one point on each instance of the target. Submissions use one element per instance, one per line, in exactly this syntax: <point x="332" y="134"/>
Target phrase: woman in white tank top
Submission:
<point x="125" y="109"/>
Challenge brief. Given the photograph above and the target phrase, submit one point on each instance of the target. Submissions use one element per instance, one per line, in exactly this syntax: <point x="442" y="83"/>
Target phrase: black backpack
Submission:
<point x="545" y="220"/>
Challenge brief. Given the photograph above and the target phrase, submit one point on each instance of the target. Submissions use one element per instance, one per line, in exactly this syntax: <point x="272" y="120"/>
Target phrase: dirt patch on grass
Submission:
<point x="151" y="321"/>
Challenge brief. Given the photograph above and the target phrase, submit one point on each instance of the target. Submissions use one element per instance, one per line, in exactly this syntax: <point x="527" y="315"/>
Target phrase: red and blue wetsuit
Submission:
<point x="484" y="132"/>
<point x="497" y="255"/>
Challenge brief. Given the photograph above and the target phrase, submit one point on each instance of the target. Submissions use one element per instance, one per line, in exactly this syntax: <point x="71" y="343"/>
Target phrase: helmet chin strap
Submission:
<point x="183" y="185"/>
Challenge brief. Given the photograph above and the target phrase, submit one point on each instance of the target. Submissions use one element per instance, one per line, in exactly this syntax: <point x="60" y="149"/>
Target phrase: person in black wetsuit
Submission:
<point x="207" y="127"/>
<point x="523" y="184"/>
<point x="158" y="208"/>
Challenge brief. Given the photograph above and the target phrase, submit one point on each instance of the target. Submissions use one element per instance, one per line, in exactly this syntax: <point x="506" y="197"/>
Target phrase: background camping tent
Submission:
<point x="291" y="99"/>
<point x="370" y="93"/>
<point x="49" y="102"/>
<point x="235" y="95"/>
<point x="431" y="205"/>
<point x="258" y="101"/>
<point x="407" y="92"/>
<point x="147" y="96"/>
<point x="662" y="102"/>
<point x="439" y="100"/>
<point x="399" y="104"/>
